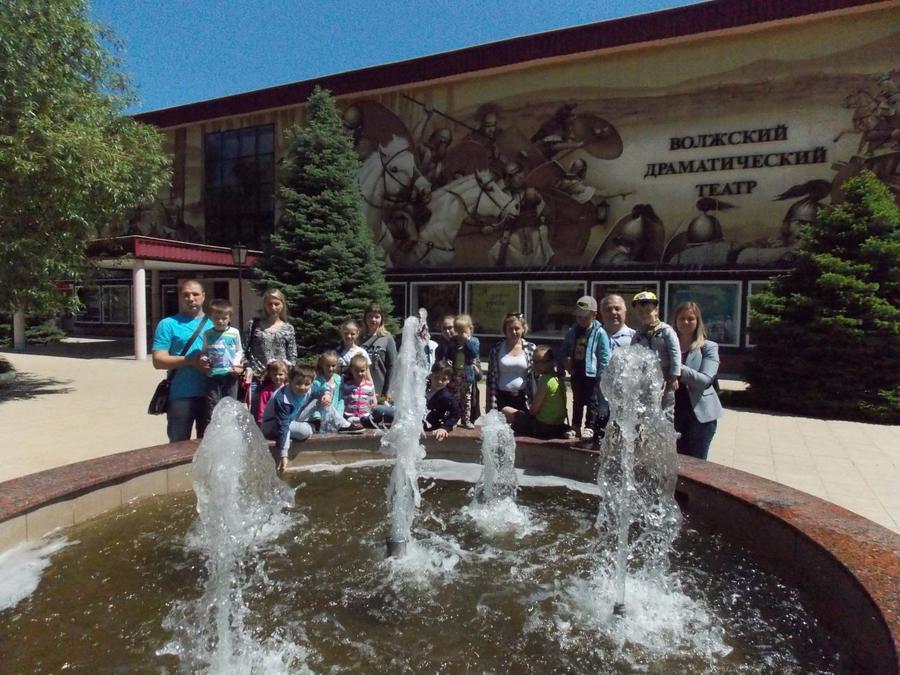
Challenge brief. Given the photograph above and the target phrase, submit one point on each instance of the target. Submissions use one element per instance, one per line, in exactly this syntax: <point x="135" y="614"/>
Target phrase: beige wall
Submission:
<point x="797" y="75"/>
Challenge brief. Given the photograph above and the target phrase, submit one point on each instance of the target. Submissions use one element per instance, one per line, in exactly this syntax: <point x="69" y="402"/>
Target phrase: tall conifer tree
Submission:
<point x="828" y="331"/>
<point x="322" y="255"/>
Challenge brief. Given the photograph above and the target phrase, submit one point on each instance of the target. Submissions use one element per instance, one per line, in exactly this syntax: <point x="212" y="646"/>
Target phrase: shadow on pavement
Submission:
<point x="89" y="348"/>
<point x="27" y="386"/>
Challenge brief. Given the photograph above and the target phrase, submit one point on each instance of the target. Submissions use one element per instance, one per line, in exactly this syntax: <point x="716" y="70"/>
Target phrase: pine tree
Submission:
<point x="321" y="255"/>
<point x="828" y="331"/>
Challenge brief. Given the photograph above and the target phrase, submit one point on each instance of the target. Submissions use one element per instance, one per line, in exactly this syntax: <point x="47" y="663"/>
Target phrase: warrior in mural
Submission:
<point x="780" y="250"/>
<point x="432" y="152"/>
<point x="637" y="238"/>
<point x="479" y="199"/>
<point x="703" y="242"/>
<point x="525" y="239"/>
<point x="388" y="181"/>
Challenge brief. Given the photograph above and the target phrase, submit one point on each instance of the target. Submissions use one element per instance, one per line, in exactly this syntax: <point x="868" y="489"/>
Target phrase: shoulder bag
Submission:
<point x="159" y="402"/>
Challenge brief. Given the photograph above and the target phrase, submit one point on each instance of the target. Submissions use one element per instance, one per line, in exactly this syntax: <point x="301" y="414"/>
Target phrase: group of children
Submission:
<point x="339" y="394"/>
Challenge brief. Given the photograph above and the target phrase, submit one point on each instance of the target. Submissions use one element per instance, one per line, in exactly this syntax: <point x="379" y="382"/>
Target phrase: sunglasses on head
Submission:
<point x="515" y="315"/>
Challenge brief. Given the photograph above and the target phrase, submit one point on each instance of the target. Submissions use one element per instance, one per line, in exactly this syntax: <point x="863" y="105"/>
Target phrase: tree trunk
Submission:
<point x="19" y="330"/>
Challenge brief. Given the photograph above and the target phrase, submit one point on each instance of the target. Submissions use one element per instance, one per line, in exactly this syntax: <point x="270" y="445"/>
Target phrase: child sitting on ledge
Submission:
<point x="546" y="416"/>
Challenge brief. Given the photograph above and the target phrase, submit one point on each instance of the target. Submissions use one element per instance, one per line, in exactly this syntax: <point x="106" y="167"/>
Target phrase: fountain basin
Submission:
<point x="845" y="567"/>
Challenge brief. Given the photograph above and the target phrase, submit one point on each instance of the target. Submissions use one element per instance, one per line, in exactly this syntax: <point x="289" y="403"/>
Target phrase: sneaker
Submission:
<point x="467" y="425"/>
<point x="570" y="434"/>
<point x="354" y="427"/>
<point x="587" y="434"/>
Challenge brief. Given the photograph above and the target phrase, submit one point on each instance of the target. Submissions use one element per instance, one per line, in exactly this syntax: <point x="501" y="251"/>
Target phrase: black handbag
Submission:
<point x="159" y="402"/>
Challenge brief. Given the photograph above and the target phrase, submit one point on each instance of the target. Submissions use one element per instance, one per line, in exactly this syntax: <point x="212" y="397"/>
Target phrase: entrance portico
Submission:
<point x="140" y="254"/>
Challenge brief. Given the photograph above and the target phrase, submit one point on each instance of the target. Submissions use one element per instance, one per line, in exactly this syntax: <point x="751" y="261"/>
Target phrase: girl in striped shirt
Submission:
<point x="358" y="392"/>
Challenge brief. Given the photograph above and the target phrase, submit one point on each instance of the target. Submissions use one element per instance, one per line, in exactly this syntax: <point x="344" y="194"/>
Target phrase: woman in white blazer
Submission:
<point x="697" y="405"/>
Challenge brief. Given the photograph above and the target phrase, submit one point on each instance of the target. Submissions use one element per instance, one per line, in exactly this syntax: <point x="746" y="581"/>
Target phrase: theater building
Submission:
<point x="678" y="151"/>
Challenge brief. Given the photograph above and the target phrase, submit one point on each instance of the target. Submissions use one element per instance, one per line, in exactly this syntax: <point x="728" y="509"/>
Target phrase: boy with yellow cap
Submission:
<point x="663" y="340"/>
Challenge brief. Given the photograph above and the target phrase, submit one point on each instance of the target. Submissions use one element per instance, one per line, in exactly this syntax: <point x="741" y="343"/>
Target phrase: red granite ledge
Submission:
<point x="869" y="552"/>
<point x="29" y="493"/>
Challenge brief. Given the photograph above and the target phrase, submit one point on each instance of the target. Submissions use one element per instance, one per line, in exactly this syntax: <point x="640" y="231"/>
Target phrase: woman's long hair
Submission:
<point x="278" y="295"/>
<point x="698" y="339"/>
<point x="373" y="308"/>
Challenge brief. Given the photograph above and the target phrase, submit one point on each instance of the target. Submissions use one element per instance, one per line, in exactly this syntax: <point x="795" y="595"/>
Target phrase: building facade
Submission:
<point x="678" y="151"/>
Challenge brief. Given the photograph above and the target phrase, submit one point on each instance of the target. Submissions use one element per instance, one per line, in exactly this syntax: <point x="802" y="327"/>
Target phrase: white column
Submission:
<point x="155" y="298"/>
<point x="19" y="330"/>
<point x="139" y="312"/>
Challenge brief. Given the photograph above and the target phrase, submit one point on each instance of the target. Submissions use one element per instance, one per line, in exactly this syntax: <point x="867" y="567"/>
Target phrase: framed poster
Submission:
<point x="627" y="289"/>
<point x="489" y="302"/>
<point x="550" y="306"/>
<point x="437" y="297"/>
<point x="754" y="287"/>
<point x="720" y="304"/>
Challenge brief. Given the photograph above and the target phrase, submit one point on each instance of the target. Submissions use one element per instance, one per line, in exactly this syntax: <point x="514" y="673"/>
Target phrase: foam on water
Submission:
<point x="661" y="620"/>
<point x="22" y="566"/>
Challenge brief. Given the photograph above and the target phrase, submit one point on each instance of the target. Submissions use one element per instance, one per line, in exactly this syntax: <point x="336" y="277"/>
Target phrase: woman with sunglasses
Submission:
<point x="510" y="375"/>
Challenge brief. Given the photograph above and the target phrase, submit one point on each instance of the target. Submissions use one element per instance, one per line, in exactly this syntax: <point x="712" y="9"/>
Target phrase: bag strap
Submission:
<point x="187" y="345"/>
<point x="254" y="323"/>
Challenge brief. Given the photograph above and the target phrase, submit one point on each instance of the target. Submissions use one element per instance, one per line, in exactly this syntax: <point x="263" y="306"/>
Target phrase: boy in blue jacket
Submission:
<point x="281" y="417"/>
<point x="585" y="354"/>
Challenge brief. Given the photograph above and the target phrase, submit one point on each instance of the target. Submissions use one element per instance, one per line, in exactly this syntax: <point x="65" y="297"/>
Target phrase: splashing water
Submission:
<point x="498" y="459"/>
<point x="638" y="518"/>
<point x="240" y="502"/>
<point x="403" y="440"/>
<point x="494" y="509"/>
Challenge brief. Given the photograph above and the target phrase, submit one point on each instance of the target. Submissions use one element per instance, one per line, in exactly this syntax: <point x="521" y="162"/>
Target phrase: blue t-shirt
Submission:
<point x="171" y="334"/>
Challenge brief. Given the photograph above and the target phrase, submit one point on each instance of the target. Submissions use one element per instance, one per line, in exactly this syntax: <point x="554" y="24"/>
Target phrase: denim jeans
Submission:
<point x="218" y="387"/>
<point x="584" y="395"/>
<point x="181" y="416"/>
<point x="696" y="437"/>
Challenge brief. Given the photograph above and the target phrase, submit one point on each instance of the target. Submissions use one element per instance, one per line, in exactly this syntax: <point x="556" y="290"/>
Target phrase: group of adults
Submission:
<point x="177" y="349"/>
<point x="697" y="406"/>
<point x="510" y="377"/>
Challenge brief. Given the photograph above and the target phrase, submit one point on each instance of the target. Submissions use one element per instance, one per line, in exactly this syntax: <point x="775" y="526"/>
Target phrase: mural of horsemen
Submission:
<point x="520" y="198"/>
<point x="539" y="184"/>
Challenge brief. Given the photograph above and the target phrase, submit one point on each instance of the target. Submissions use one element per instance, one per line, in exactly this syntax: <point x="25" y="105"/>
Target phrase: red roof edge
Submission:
<point x="169" y="250"/>
<point x="678" y="22"/>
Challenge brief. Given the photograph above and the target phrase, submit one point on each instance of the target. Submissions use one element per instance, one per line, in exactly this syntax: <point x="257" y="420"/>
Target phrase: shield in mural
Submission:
<point x="471" y="154"/>
<point x="599" y="136"/>
<point x="372" y="125"/>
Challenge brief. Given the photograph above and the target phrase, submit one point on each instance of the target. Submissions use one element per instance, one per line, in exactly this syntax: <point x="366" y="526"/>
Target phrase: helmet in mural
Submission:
<point x="489" y="124"/>
<point x="632" y="231"/>
<point x="352" y="118"/>
<point x="704" y="228"/>
<point x="442" y="135"/>
<point x="578" y="169"/>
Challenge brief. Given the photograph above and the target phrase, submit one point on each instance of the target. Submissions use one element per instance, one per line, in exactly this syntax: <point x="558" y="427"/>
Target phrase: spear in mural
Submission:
<point x="444" y="115"/>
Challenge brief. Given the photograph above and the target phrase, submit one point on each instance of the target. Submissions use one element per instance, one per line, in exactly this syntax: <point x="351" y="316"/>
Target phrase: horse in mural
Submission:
<point x="387" y="180"/>
<point x="477" y="198"/>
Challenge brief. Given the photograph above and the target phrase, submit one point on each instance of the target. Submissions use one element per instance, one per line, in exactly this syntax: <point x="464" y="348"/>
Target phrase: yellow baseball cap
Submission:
<point x="645" y="296"/>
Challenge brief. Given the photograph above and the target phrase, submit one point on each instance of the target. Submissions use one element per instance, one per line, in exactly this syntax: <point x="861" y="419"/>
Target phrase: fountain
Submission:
<point x="256" y="588"/>
<point x="498" y="459"/>
<point x="638" y="518"/>
<point x="240" y="510"/>
<point x="403" y="440"/>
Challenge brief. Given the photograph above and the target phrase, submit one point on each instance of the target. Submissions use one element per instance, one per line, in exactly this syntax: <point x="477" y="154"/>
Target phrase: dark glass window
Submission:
<point x="240" y="185"/>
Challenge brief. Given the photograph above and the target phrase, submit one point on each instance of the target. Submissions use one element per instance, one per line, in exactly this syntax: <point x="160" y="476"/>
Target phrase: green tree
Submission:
<point x="321" y="254"/>
<point x="828" y="331"/>
<point x="70" y="163"/>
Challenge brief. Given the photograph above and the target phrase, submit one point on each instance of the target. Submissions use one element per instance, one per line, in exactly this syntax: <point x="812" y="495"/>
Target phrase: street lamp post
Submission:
<point x="239" y="257"/>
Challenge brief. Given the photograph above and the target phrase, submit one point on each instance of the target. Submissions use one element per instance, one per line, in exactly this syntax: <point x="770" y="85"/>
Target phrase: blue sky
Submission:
<point x="180" y="51"/>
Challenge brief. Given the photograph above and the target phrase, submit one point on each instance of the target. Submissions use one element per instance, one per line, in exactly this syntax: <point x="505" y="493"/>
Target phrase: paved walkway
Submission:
<point x="64" y="409"/>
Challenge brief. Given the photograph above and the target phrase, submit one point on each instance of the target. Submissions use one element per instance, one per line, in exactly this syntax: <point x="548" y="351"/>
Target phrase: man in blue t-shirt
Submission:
<point x="187" y="389"/>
